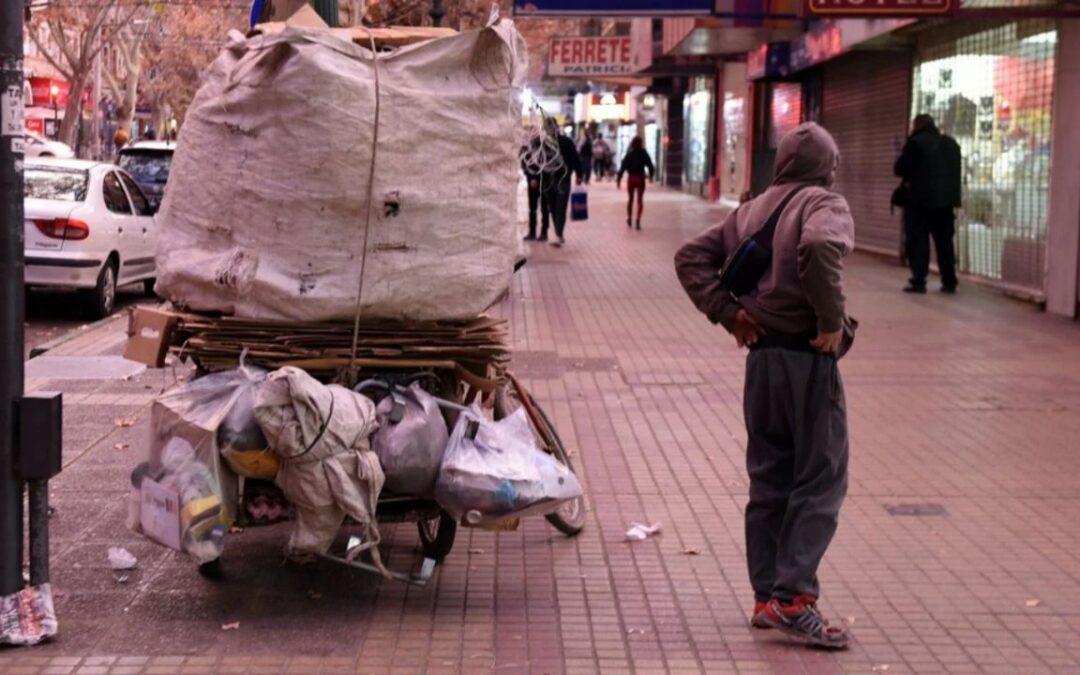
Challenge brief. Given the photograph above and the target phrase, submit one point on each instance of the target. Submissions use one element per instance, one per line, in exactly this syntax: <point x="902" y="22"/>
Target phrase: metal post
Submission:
<point x="98" y="154"/>
<point x="437" y="13"/>
<point x="11" y="291"/>
<point x="38" y="517"/>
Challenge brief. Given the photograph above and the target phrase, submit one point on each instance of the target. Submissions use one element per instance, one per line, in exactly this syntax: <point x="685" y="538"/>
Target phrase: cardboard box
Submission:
<point x="149" y="336"/>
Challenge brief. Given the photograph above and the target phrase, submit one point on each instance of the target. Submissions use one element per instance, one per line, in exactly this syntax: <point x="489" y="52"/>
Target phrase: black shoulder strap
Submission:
<point x="764" y="236"/>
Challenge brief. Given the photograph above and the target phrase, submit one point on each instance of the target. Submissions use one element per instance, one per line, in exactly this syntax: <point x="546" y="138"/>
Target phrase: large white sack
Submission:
<point x="264" y="212"/>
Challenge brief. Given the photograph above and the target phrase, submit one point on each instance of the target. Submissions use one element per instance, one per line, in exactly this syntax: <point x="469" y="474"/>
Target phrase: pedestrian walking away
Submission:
<point x="635" y="164"/>
<point x="601" y="158"/>
<point x="930" y="166"/>
<point x="531" y="169"/>
<point x="555" y="186"/>
<point x="585" y="152"/>
<point x="793" y="321"/>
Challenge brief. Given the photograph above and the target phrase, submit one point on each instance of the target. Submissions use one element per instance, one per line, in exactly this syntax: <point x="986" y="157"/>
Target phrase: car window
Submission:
<point x="115" y="199"/>
<point x="65" y="185"/>
<point x="147" y="167"/>
<point x="138" y="200"/>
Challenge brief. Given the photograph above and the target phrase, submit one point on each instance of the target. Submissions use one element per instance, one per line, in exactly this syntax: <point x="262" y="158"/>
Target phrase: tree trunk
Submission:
<point x="131" y="94"/>
<point x="73" y="110"/>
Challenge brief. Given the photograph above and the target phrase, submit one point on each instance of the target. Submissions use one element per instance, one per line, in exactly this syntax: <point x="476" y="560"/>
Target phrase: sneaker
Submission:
<point x="639" y="224"/>
<point x="758" y="620"/>
<point x="559" y="241"/>
<point x="628" y="223"/>
<point x="542" y="237"/>
<point x="802" y="620"/>
<point x="530" y="237"/>
<point x="912" y="288"/>
<point x="948" y="290"/>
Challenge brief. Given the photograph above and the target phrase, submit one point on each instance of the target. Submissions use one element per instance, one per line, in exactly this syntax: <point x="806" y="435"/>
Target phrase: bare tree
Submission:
<point x="79" y="31"/>
<point x="129" y="46"/>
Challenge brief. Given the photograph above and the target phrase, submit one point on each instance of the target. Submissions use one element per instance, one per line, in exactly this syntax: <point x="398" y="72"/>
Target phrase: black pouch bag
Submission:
<point x="752" y="258"/>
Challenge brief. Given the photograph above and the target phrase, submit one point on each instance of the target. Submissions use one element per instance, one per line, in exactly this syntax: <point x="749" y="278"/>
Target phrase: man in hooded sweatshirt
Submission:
<point x="793" y="323"/>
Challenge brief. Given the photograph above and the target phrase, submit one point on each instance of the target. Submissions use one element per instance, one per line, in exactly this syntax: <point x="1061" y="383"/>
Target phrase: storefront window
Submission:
<point x="993" y="91"/>
<point x="732" y="182"/>
<point x="698" y="111"/>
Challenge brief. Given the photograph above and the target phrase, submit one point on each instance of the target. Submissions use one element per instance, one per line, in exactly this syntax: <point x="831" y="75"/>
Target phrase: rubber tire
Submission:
<point x="148" y="288"/>
<point x="212" y="570"/>
<point x="439" y="546"/>
<point x="97" y="306"/>
<point x="504" y="408"/>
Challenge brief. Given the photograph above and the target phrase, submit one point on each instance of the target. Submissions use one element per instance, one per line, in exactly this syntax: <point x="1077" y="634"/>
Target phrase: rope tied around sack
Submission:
<point x="367" y="214"/>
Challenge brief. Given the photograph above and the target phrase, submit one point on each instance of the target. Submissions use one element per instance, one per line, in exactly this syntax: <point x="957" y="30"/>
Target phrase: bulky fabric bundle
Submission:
<point x="328" y="469"/>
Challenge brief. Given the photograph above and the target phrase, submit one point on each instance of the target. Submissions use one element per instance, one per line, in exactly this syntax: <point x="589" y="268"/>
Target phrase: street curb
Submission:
<point x="71" y="335"/>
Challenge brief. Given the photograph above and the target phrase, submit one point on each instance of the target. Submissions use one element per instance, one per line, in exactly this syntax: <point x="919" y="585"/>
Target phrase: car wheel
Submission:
<point x="148" y="288"/>
<point x="101" y="301"/>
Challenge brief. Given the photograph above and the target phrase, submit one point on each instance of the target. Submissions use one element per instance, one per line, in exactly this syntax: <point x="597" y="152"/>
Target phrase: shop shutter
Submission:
<point x="865" y="107"/>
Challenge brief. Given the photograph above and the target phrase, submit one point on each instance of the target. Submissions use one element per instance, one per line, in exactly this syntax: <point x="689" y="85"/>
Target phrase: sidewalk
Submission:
<point x="957" y="550"/>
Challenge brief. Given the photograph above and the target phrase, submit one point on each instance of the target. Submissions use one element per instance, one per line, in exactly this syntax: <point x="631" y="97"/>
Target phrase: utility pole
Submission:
<point x="11" y="290"/>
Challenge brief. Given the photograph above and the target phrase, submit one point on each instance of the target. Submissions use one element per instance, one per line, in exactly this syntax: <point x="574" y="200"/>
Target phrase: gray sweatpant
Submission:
<point x="797" y="458"/>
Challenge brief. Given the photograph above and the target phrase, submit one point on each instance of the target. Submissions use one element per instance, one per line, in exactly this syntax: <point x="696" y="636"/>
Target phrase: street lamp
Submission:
<point x="54" y="92"/>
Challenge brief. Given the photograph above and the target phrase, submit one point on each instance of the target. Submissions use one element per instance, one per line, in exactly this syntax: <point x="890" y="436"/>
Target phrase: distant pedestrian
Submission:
<point x="529" y="154"/>
<point x="601" y="158"/>
<point x="555" y="185"/>
<point x="585" y="152"/>
<point x="635" y="164"/>
<point x="930" y="165"/>
<point x="794" y="323"/>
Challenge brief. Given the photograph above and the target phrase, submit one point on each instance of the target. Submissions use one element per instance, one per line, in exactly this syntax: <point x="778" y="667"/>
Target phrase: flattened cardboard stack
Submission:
<point x="217" y="343"/>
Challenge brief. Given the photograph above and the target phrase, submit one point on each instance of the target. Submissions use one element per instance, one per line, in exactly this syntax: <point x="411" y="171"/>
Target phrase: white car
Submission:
<point x="36" y="146"/>
<point x="88" y="227"/>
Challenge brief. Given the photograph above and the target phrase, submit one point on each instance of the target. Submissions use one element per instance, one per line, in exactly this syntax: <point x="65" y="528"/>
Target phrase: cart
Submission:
<point x="468" y="371"/>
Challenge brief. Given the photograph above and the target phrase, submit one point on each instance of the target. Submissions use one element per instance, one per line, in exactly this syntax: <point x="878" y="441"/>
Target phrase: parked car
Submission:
<point x="88" y="227"/>
<point x="148" y="163"/>
<point x="37" y="146"/>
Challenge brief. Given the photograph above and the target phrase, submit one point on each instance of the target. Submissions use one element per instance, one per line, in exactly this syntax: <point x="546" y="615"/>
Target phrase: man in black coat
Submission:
<point x="555" y="183"/>
<point x="930" y="165"/>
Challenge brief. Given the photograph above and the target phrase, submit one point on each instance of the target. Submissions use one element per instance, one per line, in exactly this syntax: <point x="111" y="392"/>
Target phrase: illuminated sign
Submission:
<point x="890" y="8"/>
<point x="587" y="56"/>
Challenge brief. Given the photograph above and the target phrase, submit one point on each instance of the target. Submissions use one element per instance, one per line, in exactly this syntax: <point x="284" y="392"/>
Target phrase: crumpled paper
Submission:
<point x="641" y="531"/>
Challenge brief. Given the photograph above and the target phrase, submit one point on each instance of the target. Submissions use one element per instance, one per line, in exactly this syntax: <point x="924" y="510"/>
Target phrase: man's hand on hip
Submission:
<point x="746" y="329"/>
<point x="828" y="343"/>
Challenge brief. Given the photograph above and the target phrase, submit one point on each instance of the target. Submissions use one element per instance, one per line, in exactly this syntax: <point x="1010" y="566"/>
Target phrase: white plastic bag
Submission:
<point x="493" y="471"/>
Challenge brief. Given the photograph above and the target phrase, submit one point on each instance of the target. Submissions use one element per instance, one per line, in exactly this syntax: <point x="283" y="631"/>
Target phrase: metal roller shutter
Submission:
<point x="865" y="105"/>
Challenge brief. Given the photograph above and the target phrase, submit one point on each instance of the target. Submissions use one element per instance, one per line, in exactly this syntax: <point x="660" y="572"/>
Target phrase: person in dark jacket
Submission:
<point x="930" y="165"/>
<point x="634" y="165"/>
<point x="794" y="323"/>
<point x="529" y="167"/>
<point x="555" y="185"/>
<point x="585" y="152"/>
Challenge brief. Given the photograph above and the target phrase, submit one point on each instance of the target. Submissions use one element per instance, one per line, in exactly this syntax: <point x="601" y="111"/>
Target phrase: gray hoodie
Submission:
<point x="803" y="292"/>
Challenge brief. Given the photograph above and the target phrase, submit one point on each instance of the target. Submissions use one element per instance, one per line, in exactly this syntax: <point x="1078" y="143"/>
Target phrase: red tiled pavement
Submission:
<point x="968" y="403"/>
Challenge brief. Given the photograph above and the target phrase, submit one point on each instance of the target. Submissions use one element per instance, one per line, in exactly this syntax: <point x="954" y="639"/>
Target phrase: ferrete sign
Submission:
<point x="880" y="8"/>
<point x="590" y="56"/>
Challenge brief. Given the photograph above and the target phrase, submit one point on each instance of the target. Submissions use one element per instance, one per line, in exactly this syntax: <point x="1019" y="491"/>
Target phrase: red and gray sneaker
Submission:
<point x="802" y="621"/>
<point x="758" y="620"/>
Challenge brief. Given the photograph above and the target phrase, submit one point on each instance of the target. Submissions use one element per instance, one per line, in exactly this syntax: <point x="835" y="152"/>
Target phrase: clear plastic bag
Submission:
<point x="493" y="471"/>
<point x="185" y="461"/>
<point x="410" y="441"/>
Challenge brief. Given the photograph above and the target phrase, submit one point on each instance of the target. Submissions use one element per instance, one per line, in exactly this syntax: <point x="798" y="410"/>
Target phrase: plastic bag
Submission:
<point x="242" y="443"/>
<point x="410" y="442"/>
<point x="185" y="466"/>
<point x="493" y="471"/>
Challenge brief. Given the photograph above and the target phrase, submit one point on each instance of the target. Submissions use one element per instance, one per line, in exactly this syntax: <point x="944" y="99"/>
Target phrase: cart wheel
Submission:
<point x="212" y="569"/>
<point x="570" y="517"/>
<point x="437" y="535"/>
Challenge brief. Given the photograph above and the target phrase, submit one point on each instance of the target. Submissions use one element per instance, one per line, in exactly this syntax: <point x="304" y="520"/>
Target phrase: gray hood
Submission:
<point x="807" y="154"/>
